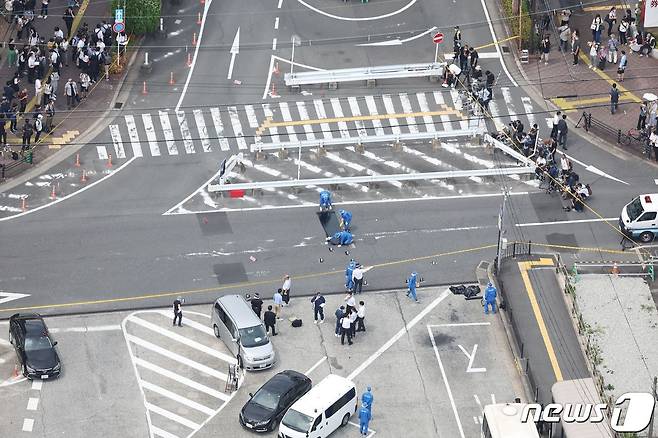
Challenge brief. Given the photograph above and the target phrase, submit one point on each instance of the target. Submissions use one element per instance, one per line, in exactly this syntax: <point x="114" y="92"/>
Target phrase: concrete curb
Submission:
<point x="81" y="141"/>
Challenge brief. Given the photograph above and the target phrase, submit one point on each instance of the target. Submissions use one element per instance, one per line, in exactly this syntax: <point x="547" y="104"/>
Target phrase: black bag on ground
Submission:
<point x="458" y="290"/>
<point x="472" y="291"/>
<point x="297" y="323"/>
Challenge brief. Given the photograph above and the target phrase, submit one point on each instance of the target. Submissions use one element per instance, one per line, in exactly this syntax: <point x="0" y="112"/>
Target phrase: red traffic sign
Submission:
<point x="119" y="27"/>
<point x="438" y="38"/>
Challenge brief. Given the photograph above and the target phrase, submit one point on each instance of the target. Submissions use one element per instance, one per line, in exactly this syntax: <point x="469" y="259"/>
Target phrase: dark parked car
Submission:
<point x="35" y="349"/>
<point x="265" y="409"/>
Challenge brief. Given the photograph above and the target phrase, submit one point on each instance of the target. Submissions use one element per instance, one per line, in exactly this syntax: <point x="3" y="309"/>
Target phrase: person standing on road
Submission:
<point x="357" y="279"/>
<point x="621" y="68"/>
<point x="345" y="329"/>
<point x="269" y="318"/>
<point x="545" y="49"/>
<point x="642" y="117"/>
<point x="38" y="127"/>
<point x="556" y="120"/>
<point x="614" y="98"/>
<point x="367" y="399"/>
<point x="412" y="283"/>
<point x="353" y="317"/>
<point x="456" y="42"/>
<point x="474" y="56"/>
<point x="490" y="298"/>
<point x="257" y="304"/>
<point x="361" y="315"/>
<point x="364" y="420"/>
<point x="575" y="46"/>
<point x="340" y="312"/>
<point x="623" y="30"/>
<point x="285" y="289"/>
<point x="349" y="270"/>
<point x="562" y="130"/>
<point x="178" y="311"/>
<point x="278" y="302"/>
<point x="318" y="302"/>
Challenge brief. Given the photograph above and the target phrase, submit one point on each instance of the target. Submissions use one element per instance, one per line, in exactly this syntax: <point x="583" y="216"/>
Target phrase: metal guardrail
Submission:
<point x="364" y="74"/>
<point x="508" y="150"/>
<point x="469" y="132"/>
<point x="371" y="179"/>
<point x="589" y="123"/>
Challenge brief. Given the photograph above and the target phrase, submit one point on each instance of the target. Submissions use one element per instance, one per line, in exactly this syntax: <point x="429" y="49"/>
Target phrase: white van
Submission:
<point x="326" y="407"/>
<point x="638" y="218"/>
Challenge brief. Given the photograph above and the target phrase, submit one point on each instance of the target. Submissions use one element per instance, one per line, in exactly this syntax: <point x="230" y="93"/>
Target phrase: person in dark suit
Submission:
<point x="270" y="320"/>
<point x="257" y="304"/>
<point x="178" y="311"/>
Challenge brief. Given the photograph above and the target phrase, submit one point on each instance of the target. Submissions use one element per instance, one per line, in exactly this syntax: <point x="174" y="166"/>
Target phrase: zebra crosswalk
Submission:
<point x="236" y="127"/>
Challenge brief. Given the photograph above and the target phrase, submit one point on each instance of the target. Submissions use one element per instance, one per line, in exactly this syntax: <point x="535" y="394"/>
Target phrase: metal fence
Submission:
<point x="589" y="123"/>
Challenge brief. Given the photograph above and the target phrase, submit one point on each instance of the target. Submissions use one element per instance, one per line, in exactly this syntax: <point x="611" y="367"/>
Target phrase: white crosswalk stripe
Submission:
<point x="303" y="115"/>
<point x="274" y="131"/>
<point x="219" y="129"/>
<point x="251" y="116"/>
<point x="287" y="117"/>
<point x="446" y="124"/>
<point x="185" y="132"/>
<point x="527" y="107"/>
<point x="321" y="114"/>
<point x="390" y="109"/>
<point x="118" y="143"/>
<point x="424" y="107"/>
<point x="338" y="112"/>
<point x="354" y="109"/>
<point x="456" y="101"/>
<point x="406" y="108"/>
<point x="102" y="152"/>
<point x="168" y="133"/>
<point x="150" y="135"/>
<point x="237" y="127"/>
<point x="203" y="131"/>
<point x="134" y="137"/>
<point x="372" y="109"/>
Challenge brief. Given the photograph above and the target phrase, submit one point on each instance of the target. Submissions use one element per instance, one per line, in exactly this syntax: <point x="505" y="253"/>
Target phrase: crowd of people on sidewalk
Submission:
<point x="38" y="59"/>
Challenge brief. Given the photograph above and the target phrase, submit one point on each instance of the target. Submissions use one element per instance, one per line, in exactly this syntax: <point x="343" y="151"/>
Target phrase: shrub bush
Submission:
<point x="141" y="16"/>
<point x="513" y="22"/>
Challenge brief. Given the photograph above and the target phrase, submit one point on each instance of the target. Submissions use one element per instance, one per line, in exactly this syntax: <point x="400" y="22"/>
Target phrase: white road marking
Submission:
<point x="398" y="41"/>
<point x="177" y="357"/>
<point x="407" y="109"/>
<point x="575" y="221"/>
<point x="445" y="381"/>
<point x="28" y="424"/>
<point x="119" y="152"/>
<point x="32" y="403"/>
<point x="102" y="152"/>
<point x="185" y="132"/>
<point x="424" y="107"/>
<point x="37" y="384"/>
<point x="356" y="111"/>
<point x="528" y="109"/>
<point x="656" y="181"/>
<point x="150" y="135"/>
<point x="176" y="397"/>
<point x="454" y="95"/>
<point x="181" y="379"/>
<point x="219" y="128"/>
<point x="494" y="38"/>
<point x="287" y="117"/>
<point x="415" y="320"/>
<point x="237" y="127"/>
<point x="251" y="116"/>
<point x="168" y="133"/>
<point x="321" y="114"/>
<point x="303" y="115"/>
<point x="162" y="433"/>
<point x="372" y="109"/>
<point x="279" y="4"/>
<point x="206" y="8"/>
<point x="274" y="131"/>
<point x="170" y="415"/>
<point x="446" y="123"/>
<point x="134" y="137"/>
<point x="371" y="18"/>
<point x="471" y="358"/>
<point x="202" y="130"/>
<point x="90" y="329"/>
<point x="276" y="23"/>
<point x="338" y="113"/>
<point x="593" y="169"/>
<point x="390" y="109"/>
<point x="493" y="399"/>
<point x="477" y="401"/>
<point x="317" y="364"/>
<point x="273" y="43"/>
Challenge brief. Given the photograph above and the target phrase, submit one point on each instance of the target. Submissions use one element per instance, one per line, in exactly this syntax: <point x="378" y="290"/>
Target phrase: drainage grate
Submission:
<point x="118" y="105"/>
<point x="505" y="49"/>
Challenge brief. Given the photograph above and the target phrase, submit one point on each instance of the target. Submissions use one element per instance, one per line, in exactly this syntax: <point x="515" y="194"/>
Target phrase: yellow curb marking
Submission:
<point x="524" y="267"/>
<point x="602" y="8"/>
<point x="573" y="105"/>
<point x="608" y="79"/>
<point x="497" y="42"/>
<point x="58" y="142"/>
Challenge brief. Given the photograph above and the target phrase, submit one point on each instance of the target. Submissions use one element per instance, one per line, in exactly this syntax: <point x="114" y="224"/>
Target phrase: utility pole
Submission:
<point x="501" y="218"/>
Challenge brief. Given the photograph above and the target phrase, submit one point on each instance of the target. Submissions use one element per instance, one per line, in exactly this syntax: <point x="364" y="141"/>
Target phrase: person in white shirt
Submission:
<point x="353" y="317"/>
<point x="285" y="289"/>
<point x="357" y="279"/>
<point x="653" y="141"/>
<point x="345" y="330"/>
<point x="361" y="314"/>
<point x="350" y="302"/>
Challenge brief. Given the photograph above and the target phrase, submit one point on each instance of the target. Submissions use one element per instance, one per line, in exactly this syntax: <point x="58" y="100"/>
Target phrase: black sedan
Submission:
<point x="265" y="409"/>
<point x="35" y="349"/>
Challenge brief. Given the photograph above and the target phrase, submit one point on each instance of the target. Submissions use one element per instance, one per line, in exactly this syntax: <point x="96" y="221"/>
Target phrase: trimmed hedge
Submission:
<point x="513" y="22"/>
<point x="141" y="16"/>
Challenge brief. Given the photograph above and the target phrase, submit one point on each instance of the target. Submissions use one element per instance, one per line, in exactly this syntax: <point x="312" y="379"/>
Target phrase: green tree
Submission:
<point x="141" y="16"/>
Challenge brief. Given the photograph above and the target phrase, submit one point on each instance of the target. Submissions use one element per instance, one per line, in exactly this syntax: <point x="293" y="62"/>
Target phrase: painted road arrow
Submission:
<point x="593" y="169"/>
<point x="235" y="49"/>
<point x="6" y="297"/>
<point x="398" y="41"/>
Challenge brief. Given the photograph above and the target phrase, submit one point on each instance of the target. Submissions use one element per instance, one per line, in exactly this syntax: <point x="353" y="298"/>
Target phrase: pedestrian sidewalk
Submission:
<point x="68" y="125"/>
<point x="578" y="88"/>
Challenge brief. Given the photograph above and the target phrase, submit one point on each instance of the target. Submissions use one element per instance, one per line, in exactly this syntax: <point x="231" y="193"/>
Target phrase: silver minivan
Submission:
<point x="234" y="322"/>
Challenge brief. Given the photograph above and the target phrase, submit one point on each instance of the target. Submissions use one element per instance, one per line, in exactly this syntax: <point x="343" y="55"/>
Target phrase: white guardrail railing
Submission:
<point x="508" y="150"/>
<point x="469" y="132"/>
<point x="372" y="179"/>
<point x="364" y="73"/>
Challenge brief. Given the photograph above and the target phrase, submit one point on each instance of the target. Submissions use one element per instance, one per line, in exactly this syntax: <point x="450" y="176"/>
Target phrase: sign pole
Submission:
<point x="436" y="53"/>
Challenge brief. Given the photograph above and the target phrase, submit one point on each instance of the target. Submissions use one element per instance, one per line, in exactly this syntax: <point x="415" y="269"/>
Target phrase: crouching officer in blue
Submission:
<point x="490" y="294"/>
<point x="341" y="238"/>
<point x="345" y="219"/>
<point x="325" y="200"/>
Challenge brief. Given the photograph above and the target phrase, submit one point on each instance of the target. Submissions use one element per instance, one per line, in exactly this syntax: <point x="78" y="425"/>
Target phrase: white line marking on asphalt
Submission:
<point x="219" y="128"/>
<point x="273" y="43"/>
<point x="415" y="320"/>
<point x="102" y="152"/>
<point x="338" y="113"/>
<point x="37" y="384"/>
<point x="460" y="324"/>
<point x="177" y="357"/>
<point x="133" y="135"/>
<point x="494" y="38"/>
<point x="378" y="17"/>
<point x="575" y="221"/>
<point x="251" y="116"/>
<point x="170" y="415"/>
<point x="593" y="169"/>
<point x="168" y="133"/>
<point x="150" y="135"/>
<point x="317" y="364"/>
<point x="456" y="101"/>
<point x="182" y="339"/>
<point x="528" y="109"/>
<point x="119" y="152"/>
<point x="201" y="128"/>
<point x="276" y="23"/>
<point x="279" y="5"/>
<point x="28" y="424"/>
<point x="321" y="114"/>
<point x="397" y="41"/>
<point x="493" y="399"/>
<point x="32" y="403"/>
<point x="303" y="115"/>
<point x="372" y="109"/>
<point x="424" y="107"/>
<point x="406" y="108"/>
<point x="269" y="78"/>
<point x="656" y="181"/>
<point x="356" y="111"/>
<point x="477" y="401"/>
<point x="235" y="49"/>
<point x="206" y="8"/>
<point x="91" y="329"/>
<point x="181" y="379"/>
<point x="70" y="195"/>
<point x="390" y="109"/>
<point x="287" y="117"/>
<point x="446" y="123"/>
<point x="176" y="397"/>
<point x="274" y="131"/>
<point x="162" y="433"/>
<point x="471" y="358"/>
<point x="185" y="132"/>
<point x="237" y="127"/>
<point x="445" y="381"/>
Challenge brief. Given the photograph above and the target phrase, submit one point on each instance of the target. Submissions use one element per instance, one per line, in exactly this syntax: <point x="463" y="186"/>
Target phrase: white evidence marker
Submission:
<point x="150" y="135"/>
<point x="168" y="133"/>
<point x="203" y="131"/>
<point x="118" y="143"/>
<point x="219" y="128"/>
